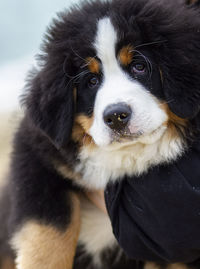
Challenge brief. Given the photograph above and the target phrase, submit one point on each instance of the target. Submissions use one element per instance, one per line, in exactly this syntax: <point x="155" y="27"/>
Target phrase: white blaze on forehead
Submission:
<point x="105" y="45"/>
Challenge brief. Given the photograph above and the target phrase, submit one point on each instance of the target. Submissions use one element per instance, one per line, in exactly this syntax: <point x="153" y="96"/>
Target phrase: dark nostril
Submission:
<point x="109" y="120"/>
<point x="117" y="116"/>
<point x="123" y="116"/>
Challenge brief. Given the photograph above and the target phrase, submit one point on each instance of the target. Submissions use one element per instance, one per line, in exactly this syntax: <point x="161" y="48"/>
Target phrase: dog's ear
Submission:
<point x="50" y="103"/>
<point x="180" y="66"/>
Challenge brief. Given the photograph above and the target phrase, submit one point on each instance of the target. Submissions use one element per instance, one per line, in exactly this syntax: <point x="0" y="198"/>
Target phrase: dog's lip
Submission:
<point x="125" y="137"/>
<point x="128" y="139"/>
<point x="134" y="129"/>
<point x="130" y="133"/>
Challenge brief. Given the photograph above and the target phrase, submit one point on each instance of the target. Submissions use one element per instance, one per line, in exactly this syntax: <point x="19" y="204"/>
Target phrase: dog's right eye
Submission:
<point x="93" y="82"/>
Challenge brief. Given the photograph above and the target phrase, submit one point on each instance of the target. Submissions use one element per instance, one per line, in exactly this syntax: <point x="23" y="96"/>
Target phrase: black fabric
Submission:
<point x="156" y="217"/>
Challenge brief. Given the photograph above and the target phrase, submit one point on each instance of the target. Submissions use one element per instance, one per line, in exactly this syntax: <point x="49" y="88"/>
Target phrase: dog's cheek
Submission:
<point x="80" y="131"/>
<point x="82" y="139"/>
<point x="176" y="126"/>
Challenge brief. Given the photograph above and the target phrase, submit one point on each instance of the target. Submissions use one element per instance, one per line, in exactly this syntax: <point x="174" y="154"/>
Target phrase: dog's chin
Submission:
<point x="123" y="140"/>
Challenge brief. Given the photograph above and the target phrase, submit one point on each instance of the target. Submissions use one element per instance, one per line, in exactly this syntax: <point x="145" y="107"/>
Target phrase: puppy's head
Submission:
<point x="117" y="72"/>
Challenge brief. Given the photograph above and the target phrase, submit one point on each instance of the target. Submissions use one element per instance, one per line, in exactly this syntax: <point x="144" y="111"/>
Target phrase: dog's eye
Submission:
<point x="138" y="68"/>
<point x="93" y="82"/>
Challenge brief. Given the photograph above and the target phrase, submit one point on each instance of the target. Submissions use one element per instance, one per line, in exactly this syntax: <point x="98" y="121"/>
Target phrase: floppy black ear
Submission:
<point x="50" y="104"/>
<point x="180" y="65"/>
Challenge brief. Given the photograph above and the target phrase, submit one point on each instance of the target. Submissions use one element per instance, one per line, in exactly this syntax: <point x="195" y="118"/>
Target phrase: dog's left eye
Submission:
<point x="138" y="68"/>
<point x="93" y="82"/>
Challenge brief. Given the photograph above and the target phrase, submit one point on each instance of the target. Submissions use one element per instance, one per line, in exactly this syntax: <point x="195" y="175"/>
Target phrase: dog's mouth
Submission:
<point x="126" y="138"/>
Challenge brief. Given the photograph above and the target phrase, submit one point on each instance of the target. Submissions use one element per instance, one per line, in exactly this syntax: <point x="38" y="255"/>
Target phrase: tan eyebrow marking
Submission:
<point x="126" y="55"/>
<point x="93" y="65"/>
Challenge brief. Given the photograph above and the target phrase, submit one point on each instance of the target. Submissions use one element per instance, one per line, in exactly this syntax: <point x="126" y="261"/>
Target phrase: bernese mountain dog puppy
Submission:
<point x="117" y="91"/>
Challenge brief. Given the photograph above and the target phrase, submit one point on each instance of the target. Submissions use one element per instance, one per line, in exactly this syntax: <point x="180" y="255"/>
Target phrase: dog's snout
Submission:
<point x="117" y="116"/>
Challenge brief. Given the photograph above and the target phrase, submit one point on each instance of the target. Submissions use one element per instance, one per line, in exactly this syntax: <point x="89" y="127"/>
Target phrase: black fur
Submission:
<point x="38" y="192"/>
<point x="109" y="259"/>
<point x="195" y="4"/>
<point x="167" y="32"/>
<point x="5" y="251"/>
<point x="173" y="53"/>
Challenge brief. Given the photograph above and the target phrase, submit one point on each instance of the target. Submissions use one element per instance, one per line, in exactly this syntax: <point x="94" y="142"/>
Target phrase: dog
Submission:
<point x="115" y="94"/>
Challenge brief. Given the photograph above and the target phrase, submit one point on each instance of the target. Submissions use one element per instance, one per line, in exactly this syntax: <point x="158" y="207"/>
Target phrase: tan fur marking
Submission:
<point x="43" y="247"/>
<point x="75" y="94"/>
<point x="79" y="134"/>
<point x="81" y="128"/>
<point x="177" y="266"/>
<point x="93" y="65"/>
<point x="173" y="122"/>
<point x="151" y="265"/>
<point x="172" y="118"/>
<point x="161" y="75"/>
<point x="177" y="120"/>
<point x="85" y="122"/>
<point x="66" y="172"/>
<point x="126" y="55"/>
<point x="8" y="264"/>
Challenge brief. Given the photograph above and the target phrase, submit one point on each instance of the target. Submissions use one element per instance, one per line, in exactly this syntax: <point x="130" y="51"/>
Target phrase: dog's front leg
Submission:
<point x="42" y="246"/>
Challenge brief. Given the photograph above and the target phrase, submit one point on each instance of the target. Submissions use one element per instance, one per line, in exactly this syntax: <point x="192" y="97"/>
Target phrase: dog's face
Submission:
<point x="124" y="106"/>
<point x="118" y="72"/>
<point x="116" y="89"/>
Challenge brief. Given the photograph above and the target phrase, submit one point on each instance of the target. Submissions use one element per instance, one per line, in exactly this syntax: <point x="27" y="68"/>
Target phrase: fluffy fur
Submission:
<point x="139" y="54"/>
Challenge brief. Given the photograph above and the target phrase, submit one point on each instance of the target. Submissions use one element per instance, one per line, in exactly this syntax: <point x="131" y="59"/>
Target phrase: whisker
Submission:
<point x="151" y="43"/>
<point x="80" y="74"/>
<point x="91" y="141"/>
<point x="167" y="102"/>
<point x="90" y="110"/>
<point x="84" y="137"/>
<point x="76" y="77"/>
<point x="77" y="54"/>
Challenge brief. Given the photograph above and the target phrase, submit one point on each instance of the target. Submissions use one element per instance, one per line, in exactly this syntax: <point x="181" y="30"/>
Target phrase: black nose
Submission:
<point x="117" y="116"/>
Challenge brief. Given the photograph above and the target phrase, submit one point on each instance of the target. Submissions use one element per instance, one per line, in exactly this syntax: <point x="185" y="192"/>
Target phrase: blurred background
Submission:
<point x="22" y="26"/>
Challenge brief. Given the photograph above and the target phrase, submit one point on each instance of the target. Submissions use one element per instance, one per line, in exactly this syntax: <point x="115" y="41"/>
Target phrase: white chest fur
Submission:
<point x="96" y="231"/>
<point x="99" y="165"/>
